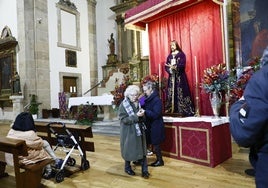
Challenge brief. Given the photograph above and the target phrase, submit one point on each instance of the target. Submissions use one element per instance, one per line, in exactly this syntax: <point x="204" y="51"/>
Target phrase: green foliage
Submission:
<point x="86" y="114"/>
<point x="215" y="78"/>
<point x="33" y="108"/>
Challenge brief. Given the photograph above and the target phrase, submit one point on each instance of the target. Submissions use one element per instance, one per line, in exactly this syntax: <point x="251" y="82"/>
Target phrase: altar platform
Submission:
<point x="202" y="140"/>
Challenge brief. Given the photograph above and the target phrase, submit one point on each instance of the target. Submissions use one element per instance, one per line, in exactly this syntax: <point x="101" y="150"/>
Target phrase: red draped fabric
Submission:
<point x="198" y="31"/>
<point x="145" y="10"/>
<point x="145" y="6"/>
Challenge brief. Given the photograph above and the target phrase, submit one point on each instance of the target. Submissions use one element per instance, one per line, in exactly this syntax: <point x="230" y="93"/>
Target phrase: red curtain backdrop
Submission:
<point x="198" y="31"/>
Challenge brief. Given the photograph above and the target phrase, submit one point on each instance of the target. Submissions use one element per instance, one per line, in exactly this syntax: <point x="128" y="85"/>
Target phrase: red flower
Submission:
<point x="119" y="90"/>
<point x="215" y="78"/>
<point x="239" y="85"/>
<point x="86" y="114"/>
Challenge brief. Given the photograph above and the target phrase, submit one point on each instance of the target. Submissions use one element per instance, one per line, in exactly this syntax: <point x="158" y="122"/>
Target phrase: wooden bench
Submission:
<point x="31" y="174"/>
<point x="82" y="131"/>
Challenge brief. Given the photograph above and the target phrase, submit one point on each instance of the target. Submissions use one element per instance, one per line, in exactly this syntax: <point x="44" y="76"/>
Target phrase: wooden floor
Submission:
<point x="107" y="170"/>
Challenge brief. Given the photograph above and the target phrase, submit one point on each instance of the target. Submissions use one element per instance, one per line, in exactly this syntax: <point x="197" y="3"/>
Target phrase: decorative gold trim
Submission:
<point x="208" y="146"/>
<point x="176" y="154"/>
<point x="219" y="2"/>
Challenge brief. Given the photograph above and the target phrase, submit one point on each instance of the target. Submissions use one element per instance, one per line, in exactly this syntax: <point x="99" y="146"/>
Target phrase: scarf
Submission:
<point x="130" y="112"/>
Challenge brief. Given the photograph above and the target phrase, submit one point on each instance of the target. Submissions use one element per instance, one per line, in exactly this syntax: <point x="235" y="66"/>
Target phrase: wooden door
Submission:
<point x="70" y="85"/>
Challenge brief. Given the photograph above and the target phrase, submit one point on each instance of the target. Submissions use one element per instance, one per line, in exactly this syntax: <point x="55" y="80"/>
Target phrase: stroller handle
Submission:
<point x="58" y="123"/>
<point x="68" y="132"/>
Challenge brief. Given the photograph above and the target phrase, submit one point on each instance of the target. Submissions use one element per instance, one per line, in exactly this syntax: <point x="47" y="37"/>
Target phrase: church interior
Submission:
<point x="59" y="55"/>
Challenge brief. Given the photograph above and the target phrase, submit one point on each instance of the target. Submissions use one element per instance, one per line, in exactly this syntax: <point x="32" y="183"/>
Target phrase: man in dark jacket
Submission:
<point x="249" y="122"/>
<point x="154" y="120"/>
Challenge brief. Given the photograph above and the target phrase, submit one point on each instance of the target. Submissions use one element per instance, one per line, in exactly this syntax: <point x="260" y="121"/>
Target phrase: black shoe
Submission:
<point x="130" y="172"/>
<point x="250" y="172"/>
<point x="145" y="174"/>
<point x="157" y="163"/>
<point x="47" y="174"/>
<point x="58" y="163"/>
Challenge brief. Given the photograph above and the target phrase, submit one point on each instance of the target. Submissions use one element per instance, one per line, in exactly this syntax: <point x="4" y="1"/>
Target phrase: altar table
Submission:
<point x="105" y="100"/>
<point x="202" y="140"/>
<point x="96" y="100"/>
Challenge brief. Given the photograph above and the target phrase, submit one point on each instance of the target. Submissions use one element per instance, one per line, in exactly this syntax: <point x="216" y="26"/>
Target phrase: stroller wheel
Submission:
<point x="71" y="161"/>
<point x="85" y="165"/>
<point x="59" y="177"/>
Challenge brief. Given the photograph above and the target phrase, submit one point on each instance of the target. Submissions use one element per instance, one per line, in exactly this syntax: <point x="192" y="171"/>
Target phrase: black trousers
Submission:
<point x="158" y="152"/>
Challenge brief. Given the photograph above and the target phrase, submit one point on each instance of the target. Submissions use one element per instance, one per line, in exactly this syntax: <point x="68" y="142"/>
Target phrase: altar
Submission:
<point x="105" y="100"/>
<point x="95" y="100"/>
<point x="202" y="140"/>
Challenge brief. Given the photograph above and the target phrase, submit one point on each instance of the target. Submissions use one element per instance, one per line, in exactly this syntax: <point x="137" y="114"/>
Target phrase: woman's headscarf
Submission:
<point x="24" y="122"/>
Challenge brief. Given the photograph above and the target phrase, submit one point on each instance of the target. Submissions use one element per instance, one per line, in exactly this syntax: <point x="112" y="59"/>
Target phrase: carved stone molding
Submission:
<point x="68" y="4"/>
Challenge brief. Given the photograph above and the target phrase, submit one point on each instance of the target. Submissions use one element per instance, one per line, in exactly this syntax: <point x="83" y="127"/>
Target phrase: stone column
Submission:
<point x="92" y="44"/>
<point x="120" y="28"/>
<point x="41" y="47"/>
<point x="17" y="101"/>
<point x="34" y="54"/>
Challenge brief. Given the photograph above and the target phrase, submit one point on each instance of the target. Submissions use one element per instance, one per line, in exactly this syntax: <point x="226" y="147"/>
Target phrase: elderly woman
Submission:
<point x="38" y="149"/>
<point x="132" y="133"/>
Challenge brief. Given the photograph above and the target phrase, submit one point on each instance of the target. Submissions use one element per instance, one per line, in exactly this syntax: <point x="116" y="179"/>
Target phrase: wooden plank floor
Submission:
<point x="107" y="170"/>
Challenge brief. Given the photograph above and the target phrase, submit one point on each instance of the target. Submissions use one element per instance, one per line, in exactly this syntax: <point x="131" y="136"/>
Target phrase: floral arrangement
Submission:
<point x="119" y="90"/>
<point x="86" y="114"/>
<point x="238" y="85"/>
<point x="215" y="78"/>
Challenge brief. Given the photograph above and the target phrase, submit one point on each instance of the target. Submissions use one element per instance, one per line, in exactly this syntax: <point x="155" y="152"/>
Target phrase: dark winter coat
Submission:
<point x="249" y="124"/>
<point x="248" y="117"/>
<point x="133" y="147"/>
<point x="154" y="118"/>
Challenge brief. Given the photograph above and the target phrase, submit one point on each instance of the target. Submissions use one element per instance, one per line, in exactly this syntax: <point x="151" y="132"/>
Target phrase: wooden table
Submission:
<point x="201" y="140"/>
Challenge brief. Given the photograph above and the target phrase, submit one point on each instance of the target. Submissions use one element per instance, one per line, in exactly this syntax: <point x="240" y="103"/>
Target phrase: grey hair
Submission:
<point x="150" y="85"/>
<point x="131" y="89"/>
<point x="264" y="58"/>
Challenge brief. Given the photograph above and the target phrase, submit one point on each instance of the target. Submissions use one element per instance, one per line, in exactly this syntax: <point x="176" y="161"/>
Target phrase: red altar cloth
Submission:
<point x="201" y="140"/>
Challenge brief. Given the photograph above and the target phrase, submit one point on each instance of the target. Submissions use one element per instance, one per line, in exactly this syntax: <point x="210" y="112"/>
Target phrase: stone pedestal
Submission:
<point x="17" y="104"/>
<point x="112" y="59"/>
<point x="109" y="113"/>
<point x="107" y="70"/>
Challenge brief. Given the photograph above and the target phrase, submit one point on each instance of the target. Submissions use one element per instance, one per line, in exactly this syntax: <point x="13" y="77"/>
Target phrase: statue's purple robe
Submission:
<point x="178" y="96"/>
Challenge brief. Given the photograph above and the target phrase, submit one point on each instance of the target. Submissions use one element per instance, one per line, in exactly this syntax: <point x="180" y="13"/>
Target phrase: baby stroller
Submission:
<point x="67" y="143"/>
